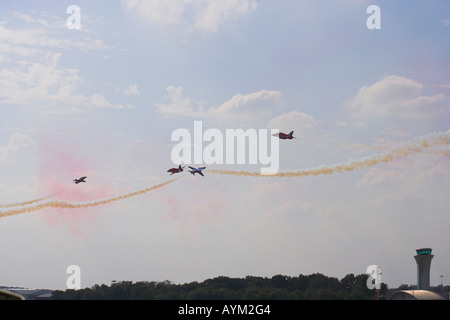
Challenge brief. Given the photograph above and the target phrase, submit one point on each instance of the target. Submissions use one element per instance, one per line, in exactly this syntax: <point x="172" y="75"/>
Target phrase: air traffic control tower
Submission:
<point x="423" y="260"/>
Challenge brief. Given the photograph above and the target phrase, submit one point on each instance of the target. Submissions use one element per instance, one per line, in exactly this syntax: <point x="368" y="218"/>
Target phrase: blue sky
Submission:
<point x="104" y="100"/>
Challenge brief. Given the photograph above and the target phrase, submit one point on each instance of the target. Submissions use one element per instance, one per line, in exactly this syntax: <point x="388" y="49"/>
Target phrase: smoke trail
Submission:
<point x="21" y="204"/>
<point x="415" y="146"/>
<point x="78" y="205"/>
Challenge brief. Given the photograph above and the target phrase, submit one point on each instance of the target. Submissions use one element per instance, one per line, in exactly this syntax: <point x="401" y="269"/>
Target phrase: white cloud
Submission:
<point x="132" y="90"/>
<point x="20" y="146"/>
<point x="29" y="42"/>
<point x="39" y="81"/>
<point x="157" y="11"/>
<point x="259" y="102"/>
<point x="242" y="109"/>
<point x="30" y="19"/>
<point x="32" y="74"/>
<point x="98" y="100"/>
<point x="178" y="106"/>
<point x="294" y="120"/>
<point x="195" y="15"/>
<point x="392" y="96"/>
<point x="47" y="84"/>
<point x="212" y="13"/>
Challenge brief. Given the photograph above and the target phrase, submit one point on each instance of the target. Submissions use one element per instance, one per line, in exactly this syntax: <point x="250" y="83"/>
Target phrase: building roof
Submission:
<point x="415" y="295"/>
<point x="33" y="294"/>
<point x="8" y="295"/>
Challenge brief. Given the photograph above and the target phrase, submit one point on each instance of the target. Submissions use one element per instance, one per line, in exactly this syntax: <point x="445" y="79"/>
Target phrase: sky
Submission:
<point x="104" y="99"/>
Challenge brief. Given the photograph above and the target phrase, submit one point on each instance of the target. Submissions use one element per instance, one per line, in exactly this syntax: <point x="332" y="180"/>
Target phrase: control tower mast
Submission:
<point x="423" y="260"/>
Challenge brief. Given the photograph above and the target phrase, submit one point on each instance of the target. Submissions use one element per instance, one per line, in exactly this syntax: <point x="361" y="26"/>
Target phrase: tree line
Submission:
<point x="279" y="287"/>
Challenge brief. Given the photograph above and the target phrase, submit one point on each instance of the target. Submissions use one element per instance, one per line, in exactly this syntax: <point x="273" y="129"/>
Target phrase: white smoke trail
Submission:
<point x="416" y="146"/>
<point x="78" y="205"/>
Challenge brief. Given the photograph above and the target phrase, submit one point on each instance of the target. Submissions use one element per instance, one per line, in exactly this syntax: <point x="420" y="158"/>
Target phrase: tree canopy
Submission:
<point x="279" y="287"/>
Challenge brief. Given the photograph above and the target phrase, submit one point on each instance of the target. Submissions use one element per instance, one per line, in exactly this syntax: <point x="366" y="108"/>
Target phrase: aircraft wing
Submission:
<point x="201" y="173"/>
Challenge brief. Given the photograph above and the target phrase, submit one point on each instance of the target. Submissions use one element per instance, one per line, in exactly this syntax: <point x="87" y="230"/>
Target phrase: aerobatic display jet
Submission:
<point x="197" y="170"/>
<point x="77" y="181"/>
<point x="285" y="136"/>
<point x="176" y="170"/>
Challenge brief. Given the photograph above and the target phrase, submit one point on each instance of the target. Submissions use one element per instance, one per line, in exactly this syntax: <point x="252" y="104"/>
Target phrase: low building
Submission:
<point x="415" y="295"/>
<point x="8" y="295"/>
<point x="32" y="294"/>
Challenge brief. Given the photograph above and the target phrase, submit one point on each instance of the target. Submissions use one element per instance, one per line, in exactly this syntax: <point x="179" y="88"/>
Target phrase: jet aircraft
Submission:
<point x="176" y="170"/>
<point x="285" y="136"/>
<point x="197" y="170"/>
<point x="77" y="181"/>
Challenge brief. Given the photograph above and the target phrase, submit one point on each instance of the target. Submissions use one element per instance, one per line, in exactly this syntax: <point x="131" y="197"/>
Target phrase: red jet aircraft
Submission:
<point x="176" y="170"/>
<point x="285" y="136"/>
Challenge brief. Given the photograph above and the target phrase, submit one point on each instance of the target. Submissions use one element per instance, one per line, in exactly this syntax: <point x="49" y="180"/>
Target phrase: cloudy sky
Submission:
<point x="104" y="100"/>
